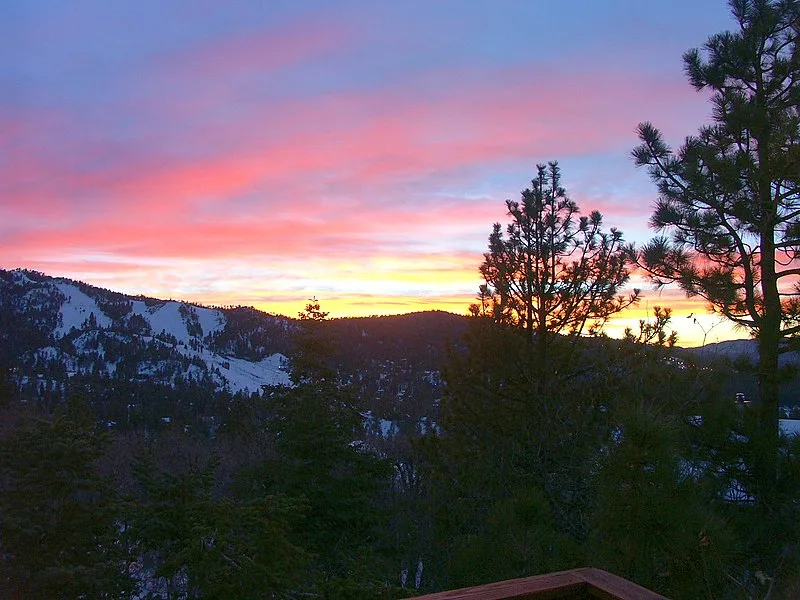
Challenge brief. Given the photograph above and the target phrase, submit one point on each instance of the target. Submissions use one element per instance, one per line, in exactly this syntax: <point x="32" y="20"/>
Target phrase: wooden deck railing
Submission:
<point x="577" y="584"/>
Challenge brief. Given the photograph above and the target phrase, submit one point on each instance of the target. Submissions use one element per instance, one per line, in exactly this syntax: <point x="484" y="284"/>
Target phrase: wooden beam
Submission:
<point x="576" y="584"/>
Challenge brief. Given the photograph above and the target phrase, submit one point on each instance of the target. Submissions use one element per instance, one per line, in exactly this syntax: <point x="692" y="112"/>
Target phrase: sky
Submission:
<point x="263" y="153"/>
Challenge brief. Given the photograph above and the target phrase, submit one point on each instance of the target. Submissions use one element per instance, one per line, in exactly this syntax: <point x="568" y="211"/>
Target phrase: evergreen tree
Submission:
<point x="209" y="547"/>
<point x="522" y="421"/>
<point x="57" y="514"/>
<point x="513" y="452"/>
<point x="654" y="523"/>
<point x="595" y="467"/>
<point x="553" y="271"/>
<point x="730" y="196"/>
<point x="312" y="359"/>
<point x="321" y="457"/>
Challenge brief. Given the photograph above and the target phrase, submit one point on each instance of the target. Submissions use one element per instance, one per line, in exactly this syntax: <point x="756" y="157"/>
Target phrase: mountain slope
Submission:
<point x="50" y="325"/>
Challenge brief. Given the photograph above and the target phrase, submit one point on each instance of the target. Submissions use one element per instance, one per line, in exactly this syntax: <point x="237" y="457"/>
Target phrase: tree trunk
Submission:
<point x="768" y="413"/>
<point x="769" y="338"/>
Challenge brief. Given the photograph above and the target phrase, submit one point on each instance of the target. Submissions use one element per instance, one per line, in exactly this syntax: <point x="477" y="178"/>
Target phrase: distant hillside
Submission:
<point x="61" y="336"/>
<point x="55" y="325"/>
<point x="746" y="349"/>
<point x="743" y="356"/>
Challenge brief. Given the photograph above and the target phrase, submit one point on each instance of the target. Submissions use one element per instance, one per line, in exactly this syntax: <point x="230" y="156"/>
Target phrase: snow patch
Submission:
<point x="789" y="427"/>
<point x="20" y="278"/>
<point x="388" y="428"/>
<point x="211" y="320"/>
<point x="163" y="317"/>
<point x="167" y="317"/>
<point x="243" y="375"/>
<point x="76" y="309"/>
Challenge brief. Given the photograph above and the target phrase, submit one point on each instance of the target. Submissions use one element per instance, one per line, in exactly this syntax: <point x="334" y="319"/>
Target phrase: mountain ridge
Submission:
<point x="55" y="329"/>
<point x="68" y="321"/>
<point x="209" y="319"/>
<point x="169" y="357"/>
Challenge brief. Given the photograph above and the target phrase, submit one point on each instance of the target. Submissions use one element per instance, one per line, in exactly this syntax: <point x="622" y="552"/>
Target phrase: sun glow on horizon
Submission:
<point x="389" y="296"/>
<point x="377" y="286"/>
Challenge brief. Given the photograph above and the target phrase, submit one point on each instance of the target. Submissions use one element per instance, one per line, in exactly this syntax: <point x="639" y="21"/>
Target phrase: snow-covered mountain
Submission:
<point x="50" y="325"/>
<point x="145" y="360"/>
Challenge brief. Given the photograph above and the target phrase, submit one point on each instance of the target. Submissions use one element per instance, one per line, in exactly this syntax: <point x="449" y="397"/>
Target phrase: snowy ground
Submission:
<point x="76" y="310"/>
<point x="790" y="426"/>
<point x="239" y="374"/>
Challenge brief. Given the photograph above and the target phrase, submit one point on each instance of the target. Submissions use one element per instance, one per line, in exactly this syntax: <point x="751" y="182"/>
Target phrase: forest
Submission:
<point x="554" y="446"/>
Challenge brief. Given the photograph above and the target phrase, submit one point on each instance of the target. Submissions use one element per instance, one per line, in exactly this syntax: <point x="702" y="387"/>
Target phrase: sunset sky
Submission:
<point x="261" y="153"/>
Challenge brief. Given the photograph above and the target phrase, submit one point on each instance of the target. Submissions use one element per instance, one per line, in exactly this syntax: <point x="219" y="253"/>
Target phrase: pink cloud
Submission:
<point x="356" y="148"/>
<point x="298" y="231"/>
<point x="348" y="177"/>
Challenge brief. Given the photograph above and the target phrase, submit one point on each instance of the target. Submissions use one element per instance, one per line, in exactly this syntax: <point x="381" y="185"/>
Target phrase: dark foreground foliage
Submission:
<point x="610" y="453"/>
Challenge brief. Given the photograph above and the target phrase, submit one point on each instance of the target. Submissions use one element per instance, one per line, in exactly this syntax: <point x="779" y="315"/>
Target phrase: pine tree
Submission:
<point x="553" y="271"/>
<point x="57" y="514"/>
<point x="209" y="547"/>
<point x="729" y="198"/>
<point x="653" y="523"/>
<point x="322" y="458"/>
